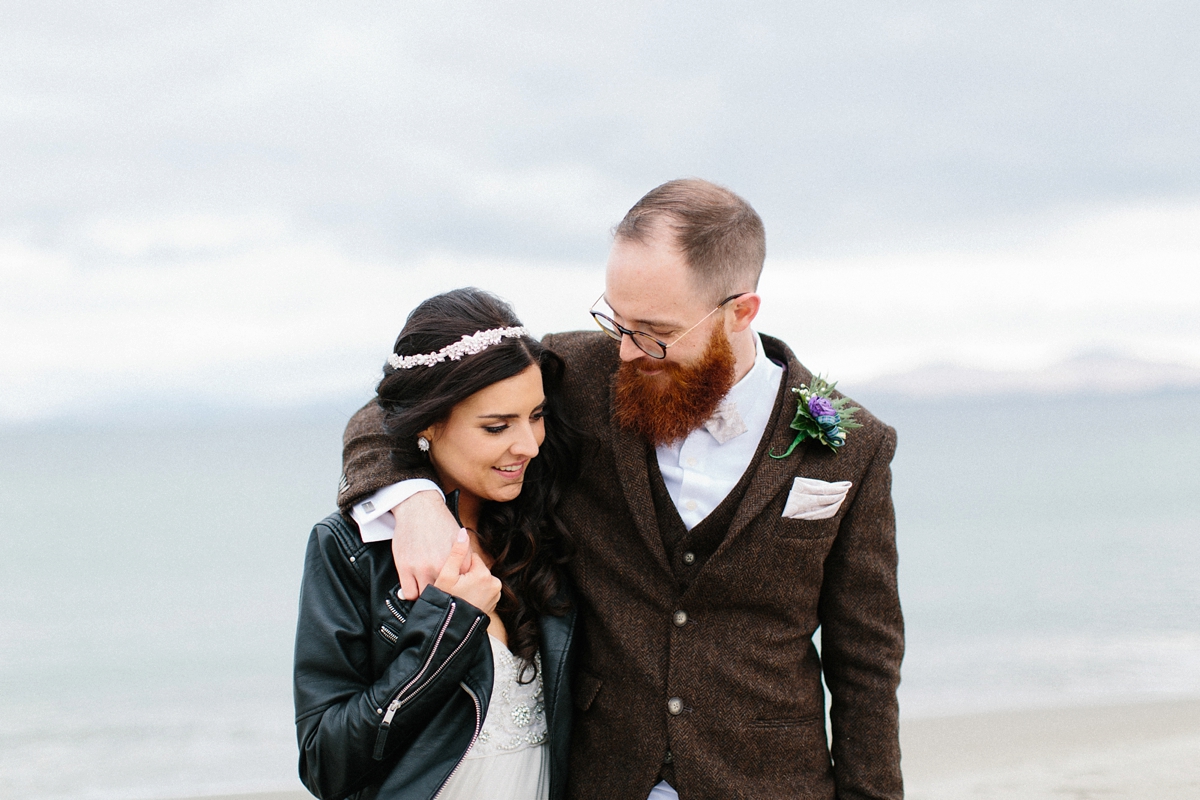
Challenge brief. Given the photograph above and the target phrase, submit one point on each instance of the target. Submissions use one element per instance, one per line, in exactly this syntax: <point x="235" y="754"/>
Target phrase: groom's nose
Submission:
<point x="629" y="350"/>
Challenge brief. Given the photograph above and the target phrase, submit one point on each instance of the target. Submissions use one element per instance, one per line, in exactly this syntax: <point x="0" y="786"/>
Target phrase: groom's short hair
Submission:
<point x="721" y="235"/>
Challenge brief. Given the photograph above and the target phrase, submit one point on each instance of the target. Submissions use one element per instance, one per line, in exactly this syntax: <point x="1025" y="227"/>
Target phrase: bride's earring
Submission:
<point x="422" y="444"/>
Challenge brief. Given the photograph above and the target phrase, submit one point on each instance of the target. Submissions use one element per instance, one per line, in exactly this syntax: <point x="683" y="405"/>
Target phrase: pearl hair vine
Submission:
<point x="468" y="345"/>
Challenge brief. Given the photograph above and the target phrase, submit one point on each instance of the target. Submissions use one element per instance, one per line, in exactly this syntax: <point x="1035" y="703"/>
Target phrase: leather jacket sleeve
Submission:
<point x="360" y="696"/>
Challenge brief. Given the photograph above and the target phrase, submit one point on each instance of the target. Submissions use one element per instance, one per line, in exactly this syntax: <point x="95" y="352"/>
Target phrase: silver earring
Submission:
<point x="422" y="444"/>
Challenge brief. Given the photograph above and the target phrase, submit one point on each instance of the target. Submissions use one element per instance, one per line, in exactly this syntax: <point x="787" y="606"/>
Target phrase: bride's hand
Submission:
<point x="464" y="575"/>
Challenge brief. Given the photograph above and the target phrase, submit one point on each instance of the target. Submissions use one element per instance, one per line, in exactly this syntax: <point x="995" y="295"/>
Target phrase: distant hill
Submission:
<point x="1086" y="373"/>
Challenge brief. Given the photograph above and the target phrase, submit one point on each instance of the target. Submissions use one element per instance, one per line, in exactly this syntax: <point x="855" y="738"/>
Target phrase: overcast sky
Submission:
<point x="239" y="202"/>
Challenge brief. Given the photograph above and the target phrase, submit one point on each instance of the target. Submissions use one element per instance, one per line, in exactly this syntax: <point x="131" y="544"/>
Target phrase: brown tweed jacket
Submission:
<point x="729" y="702"/>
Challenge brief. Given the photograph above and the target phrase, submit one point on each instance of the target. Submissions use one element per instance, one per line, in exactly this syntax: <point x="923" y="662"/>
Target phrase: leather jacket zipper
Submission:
<point x="399" y="699"/>
<point x="474" y="738"/>
<point x="450" y="657"/>
<point x="395" y="611"/>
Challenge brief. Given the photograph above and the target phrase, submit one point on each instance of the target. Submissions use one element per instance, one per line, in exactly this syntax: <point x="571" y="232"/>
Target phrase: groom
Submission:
<point x="705" y="563"/>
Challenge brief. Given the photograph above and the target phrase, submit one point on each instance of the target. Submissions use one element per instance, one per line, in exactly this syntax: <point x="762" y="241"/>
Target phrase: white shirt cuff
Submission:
<point x="376" y="523"/>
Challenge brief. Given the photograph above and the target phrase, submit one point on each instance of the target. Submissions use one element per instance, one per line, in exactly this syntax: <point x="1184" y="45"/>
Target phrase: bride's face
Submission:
<point x="484" y="447"/>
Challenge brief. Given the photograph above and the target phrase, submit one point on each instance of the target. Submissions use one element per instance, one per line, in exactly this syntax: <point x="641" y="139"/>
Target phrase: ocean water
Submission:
<point x="149" y="574"/>
<point x="148" y="586"/>
<point x="1049" y="550"/>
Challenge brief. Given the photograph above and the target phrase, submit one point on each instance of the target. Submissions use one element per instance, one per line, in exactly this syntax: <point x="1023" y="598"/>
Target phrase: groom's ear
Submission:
<point x="744" y="309"/>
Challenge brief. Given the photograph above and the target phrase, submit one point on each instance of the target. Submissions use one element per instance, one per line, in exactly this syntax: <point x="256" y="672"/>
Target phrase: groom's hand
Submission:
<point x="425" y="532"/>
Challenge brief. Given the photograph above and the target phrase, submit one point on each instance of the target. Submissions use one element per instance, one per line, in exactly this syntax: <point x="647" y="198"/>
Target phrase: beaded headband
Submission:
<point x="468" y="345"/>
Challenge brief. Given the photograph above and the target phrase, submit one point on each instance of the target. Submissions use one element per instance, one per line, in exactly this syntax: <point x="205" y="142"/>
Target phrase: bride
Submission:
<point x="462" y="692"/>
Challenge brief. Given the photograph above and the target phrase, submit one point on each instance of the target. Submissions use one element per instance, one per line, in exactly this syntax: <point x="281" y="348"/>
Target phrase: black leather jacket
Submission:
<point x="389" y="693"/>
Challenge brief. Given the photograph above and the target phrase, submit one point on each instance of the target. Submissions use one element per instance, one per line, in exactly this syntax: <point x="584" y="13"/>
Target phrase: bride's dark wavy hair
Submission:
<point x="525" y="536"/>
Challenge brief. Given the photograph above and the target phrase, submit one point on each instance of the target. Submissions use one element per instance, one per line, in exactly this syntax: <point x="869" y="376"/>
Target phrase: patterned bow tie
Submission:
<point x="726" y="423"/>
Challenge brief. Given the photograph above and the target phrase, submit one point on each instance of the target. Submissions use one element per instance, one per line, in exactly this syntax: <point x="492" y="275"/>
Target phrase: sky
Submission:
<point x="236" y="204"/>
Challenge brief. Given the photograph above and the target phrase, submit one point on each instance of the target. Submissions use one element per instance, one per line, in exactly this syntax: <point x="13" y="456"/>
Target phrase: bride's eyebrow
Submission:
<point x="540" y="407"/>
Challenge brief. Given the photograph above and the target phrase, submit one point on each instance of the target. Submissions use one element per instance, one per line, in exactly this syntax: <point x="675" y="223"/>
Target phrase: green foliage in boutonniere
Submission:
<point x="820" y="417"/>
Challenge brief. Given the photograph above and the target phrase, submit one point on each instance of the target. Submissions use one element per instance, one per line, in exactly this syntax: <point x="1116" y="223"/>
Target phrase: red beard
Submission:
<point x="666" y="407"/>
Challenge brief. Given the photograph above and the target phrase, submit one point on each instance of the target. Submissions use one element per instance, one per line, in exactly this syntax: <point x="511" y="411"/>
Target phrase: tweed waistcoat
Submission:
<point x="691" y="547"/>
<point x="706" y="536"/>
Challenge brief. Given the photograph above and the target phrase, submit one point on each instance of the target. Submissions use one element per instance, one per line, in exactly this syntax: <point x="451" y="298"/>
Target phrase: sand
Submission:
<point x="1147" y="751"/>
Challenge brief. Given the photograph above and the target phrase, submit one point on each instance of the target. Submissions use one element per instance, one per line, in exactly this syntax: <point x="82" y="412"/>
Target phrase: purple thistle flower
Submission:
<point x="820" y="406"/>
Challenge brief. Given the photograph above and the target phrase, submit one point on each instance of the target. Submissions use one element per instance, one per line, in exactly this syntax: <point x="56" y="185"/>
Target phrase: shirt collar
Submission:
<point x="753" y="397"/>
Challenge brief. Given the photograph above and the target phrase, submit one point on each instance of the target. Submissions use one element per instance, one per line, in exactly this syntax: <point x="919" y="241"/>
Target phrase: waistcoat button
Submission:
<point x="679" y="618"/>
<point x="675" y="706"/>
<point x="689" y="557"/>
<point x="668" y="758"/>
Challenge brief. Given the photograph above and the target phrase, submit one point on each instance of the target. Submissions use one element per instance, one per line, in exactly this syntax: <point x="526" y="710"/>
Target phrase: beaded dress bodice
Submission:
<point x="509" y="760"/>
<point x="516" y="716"/>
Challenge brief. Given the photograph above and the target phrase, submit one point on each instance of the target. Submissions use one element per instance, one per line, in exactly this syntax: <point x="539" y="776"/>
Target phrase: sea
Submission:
<point x="149" y="572"/>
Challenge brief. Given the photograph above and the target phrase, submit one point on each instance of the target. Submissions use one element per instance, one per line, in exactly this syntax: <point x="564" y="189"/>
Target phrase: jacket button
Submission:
<point x="668" y="758"/>
<point x="679" y="618"/>
<point x="675" y="706"/>
<point x="689" y="557"/>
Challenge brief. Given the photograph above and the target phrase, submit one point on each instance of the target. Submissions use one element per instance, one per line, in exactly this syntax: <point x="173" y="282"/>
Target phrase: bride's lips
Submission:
<point x="512" y="472"/>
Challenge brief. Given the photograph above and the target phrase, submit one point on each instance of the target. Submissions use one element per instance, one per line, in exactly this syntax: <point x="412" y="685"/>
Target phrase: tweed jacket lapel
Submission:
<point x="630" y="454"/>
<point x="772" y="475"/>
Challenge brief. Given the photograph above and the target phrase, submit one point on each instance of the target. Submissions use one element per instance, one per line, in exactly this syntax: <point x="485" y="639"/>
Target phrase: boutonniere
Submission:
<point x="820" y="417"/>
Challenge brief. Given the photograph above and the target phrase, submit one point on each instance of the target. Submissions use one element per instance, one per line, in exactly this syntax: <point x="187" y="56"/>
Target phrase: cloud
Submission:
<point x="525" y="129"/>
<point x="1124" y="280"/>
<point x="238" y="203"/>
<point x="161" y="314"/>
<point x="174" y="312"/>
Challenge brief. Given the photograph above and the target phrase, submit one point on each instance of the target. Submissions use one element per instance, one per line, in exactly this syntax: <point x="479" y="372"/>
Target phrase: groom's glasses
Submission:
<point x="655" y="348"/>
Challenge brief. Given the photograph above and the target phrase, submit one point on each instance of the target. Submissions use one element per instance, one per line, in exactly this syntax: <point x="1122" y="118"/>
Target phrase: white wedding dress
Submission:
<point x="510" y="760"/>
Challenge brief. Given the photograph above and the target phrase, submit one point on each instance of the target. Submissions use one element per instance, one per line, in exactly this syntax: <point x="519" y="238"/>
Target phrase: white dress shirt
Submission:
<point x="703" y="468"/>
<point x="699" y="471"/>
<point x="376" y="522"/>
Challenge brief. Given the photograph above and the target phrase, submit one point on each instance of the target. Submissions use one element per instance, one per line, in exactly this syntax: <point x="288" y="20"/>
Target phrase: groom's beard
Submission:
<point x="666" y="407"/>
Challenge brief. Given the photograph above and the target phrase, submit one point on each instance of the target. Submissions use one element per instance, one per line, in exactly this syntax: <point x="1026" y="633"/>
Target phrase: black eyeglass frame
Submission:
<point x="637" y="337"/>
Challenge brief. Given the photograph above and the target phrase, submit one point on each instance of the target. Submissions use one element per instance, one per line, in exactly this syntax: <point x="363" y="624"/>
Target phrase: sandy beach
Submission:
<point x="1128" y="752"/>
<point x="1149" y="750"/>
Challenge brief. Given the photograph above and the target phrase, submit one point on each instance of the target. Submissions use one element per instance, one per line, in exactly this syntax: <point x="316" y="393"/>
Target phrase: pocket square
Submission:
<point x="814" y="499"/>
